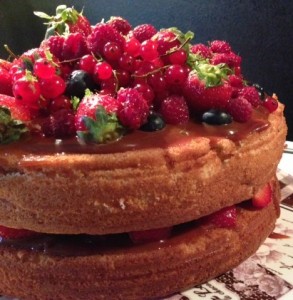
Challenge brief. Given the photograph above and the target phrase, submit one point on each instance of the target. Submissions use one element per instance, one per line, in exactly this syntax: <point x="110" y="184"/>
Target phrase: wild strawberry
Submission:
<point x="66" y="17"/>
<point x="17" y="110"/>
<point x="201" y="49"/>
<point x="263" y="196"/>
<point x="88" y="106"/>
<point x="12" y="233"/>
<point x="174" y="110"/>
<point x="220" y="47"/>
<point x="144" y="32"/>
<point x="224" y="218"/>
<point x="240" y="109"/>
<point x="59" y="124"/>
<point x="250" y="93"/>
<point x="55" y="44"/>
<point x="231" y="59"/>
<point x="5" y="82"/>
<point x="120" y="24"/>
<point x="151" y="235"/>
<point x="74" y="46"/>
<point x="270" y="103"/>
<point x="134" y="108"/>
<point x="103" y="33"/>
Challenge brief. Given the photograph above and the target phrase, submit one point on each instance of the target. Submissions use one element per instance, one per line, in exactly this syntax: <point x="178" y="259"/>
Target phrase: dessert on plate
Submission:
<point x="134" y="163"/>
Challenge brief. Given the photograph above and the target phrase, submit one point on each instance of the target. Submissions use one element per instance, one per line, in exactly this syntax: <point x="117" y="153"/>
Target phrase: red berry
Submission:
<point x="151" y="235"/>
<point x="166" y="40"/>
<point x="61" y="102"/>
<point x="74" y="46"/>
<point x="270" y="103"/>
<point x="144" y="32"/>
<point x="5" y="82"/>
<point x="193" y="88"/>
<point x="220" y="47"/>
<point x="250" y="93"/>
<point x="240" y="109"/>
<point x="224" y="218"/>
<point x="178" y="57"/>
<point x="236" y="81"/>
<point x="157" y="81"/>
<point x="231" y="59"/>
<point x="61" y="124"/>
<point x="175" y="75"/>
<point x="174" y="110"/>
<point x="120" y="25"/>
<point x="148" y="50"/>
<point x="102" y="34"/>
<point x="55" y="44"/>
<point x="146" y="91"/>
<point x="132" y="47"/>
<point x="53" y="87"/>
<point x="12" y="233"/>
<point x="27" y="91"/>
<point x="87" y="63"/>
<point x="102" y="71"/>
<point x="263" y="196"/>
<point x="201" y="50"/>
<point x="112" y="51"/>
<point x="81" y="25"/>
<point x="43" y="68"/>
<point x="127" y="62"/>
<point x="123" y="77"/>
<point x="134" y="108"/>
<point x="110" y="85"/>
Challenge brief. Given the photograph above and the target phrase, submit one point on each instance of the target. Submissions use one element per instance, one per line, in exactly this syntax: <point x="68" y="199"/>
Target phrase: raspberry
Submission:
<point x="60" y="124"/>
<point x="220" y="47"/>
<point x="102" y="34"/>
<point x="174" y="110"/>
<point x="166" y="40"/>
<point x="224" y="218"/>
<point x="236" y="83"/>
<point x="231" y="59"/>
<point x="120" y="24"/>
<point x="240" y="109"/>
<point x="55" y="44"/>
<point x="81" y="25"/>
<point x="74" y="46"/>
<point x="5" y="82"/>
<point x="201" y="49"/>
<point x="250" y="93"/>
<point x="134" y="111"/>
<point x="144" y="32"/>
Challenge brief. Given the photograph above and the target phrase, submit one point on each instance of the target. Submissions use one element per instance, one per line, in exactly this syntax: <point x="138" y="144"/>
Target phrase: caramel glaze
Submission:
<point x="84" y="245"/>
<point x="137" y="140"/>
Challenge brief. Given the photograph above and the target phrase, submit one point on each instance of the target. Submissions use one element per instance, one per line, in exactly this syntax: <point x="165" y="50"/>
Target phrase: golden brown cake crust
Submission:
<point x="136" y="190"/>
<point x="141" y="271"/>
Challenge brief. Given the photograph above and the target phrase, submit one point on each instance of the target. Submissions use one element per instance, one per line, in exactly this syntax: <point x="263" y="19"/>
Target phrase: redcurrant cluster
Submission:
<point x="138" y="75"/>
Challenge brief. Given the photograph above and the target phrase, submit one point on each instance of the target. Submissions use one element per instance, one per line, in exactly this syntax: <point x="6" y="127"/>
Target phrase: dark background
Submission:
<point x="260" y="31"/>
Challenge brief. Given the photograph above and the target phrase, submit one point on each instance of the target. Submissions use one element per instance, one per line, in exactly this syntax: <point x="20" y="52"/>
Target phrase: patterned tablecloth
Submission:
<point x="268" y="274"/>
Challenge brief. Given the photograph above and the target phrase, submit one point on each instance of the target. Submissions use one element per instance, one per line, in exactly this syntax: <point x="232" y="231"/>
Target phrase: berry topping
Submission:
<point x="220" y="47"/>
<point x="216" y="117"/>
<point x="250" y="93"/>
<point x="120" y="24"/>
<point x="224" y="218"/>
<point x="201" y="49"/>
<point x="151" y="235"/>
<point x="262" y="197"/>
<point x="240" y="109"/>
<point x="270" y="103"/>
<point x="154" y="122"/>
<point x="144" y="32"/>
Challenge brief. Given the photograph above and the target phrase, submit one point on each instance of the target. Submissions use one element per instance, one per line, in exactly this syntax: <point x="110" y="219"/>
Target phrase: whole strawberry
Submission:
<point x="134" y="108"/>
<point x="67" y="19"/>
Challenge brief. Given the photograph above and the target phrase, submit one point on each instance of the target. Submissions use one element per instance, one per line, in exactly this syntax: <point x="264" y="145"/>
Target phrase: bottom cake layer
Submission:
<point x="193" y="254"/>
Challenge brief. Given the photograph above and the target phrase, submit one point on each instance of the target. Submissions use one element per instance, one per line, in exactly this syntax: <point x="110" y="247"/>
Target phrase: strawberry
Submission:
<point x="5" y="64"/>
<point x="12" y="233"/>
<point x="263" y="196"/>
<point x="151" y="235"/>
<point x="5" y="82"/>
<point x="224" y="218"/>
<point x="66" y="20"/>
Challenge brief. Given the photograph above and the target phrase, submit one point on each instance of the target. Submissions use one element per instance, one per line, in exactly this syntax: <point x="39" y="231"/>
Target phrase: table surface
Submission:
<point x="268" y="274"/>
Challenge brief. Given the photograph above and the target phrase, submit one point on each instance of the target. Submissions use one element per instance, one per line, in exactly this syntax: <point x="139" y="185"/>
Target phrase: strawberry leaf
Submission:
<point x="10" y="130"/>
<point x="103" y="129"/>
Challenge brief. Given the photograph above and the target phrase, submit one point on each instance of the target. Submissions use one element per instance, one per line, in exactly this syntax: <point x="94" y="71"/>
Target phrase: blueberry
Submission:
<point x="154" y="123"/>
<point x="216" y="117"/>
<point x="260" y="90"/>
<point x="78" y="82"/>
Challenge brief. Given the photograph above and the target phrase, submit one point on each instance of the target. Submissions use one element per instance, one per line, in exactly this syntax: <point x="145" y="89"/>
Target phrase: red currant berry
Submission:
<point x="178" y="57"/>
<point x="43" y="68"/>
<point x="61" y="102"/>
<point x="127" y="62"/>
<point x="123" y="78"/>
<point x="157" y="82"/>
<point x="175" y="75"/>
<point x="146" y="91"/>
<point x="53" y="87"/>
<point x="87" y="63"/>
<point x="148" y="50"/>
<point x="27" y="90"/>
<point x="112" y="51"/>
<point x="102" y="71"/>
<point x="109" y="85"/>
<point x="271" y="104"/>
<point x="132" y="47"/>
